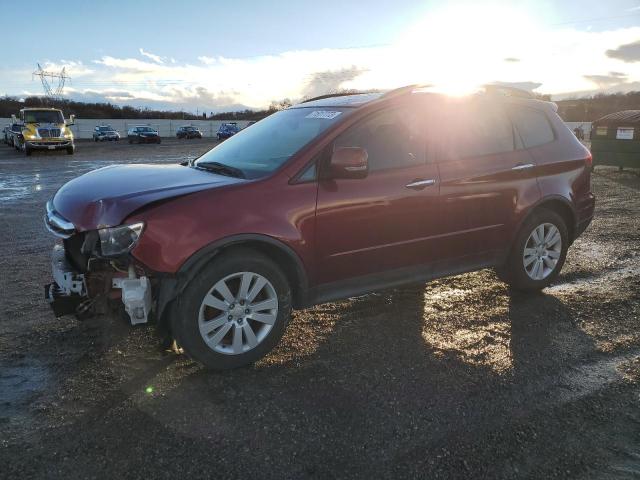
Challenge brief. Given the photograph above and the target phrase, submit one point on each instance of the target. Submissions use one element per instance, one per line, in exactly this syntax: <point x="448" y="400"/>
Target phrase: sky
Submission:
<point x="227" y="55"/>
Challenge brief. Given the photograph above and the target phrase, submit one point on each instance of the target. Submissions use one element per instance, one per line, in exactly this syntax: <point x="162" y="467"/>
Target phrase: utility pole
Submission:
<point x="47" y="77"/>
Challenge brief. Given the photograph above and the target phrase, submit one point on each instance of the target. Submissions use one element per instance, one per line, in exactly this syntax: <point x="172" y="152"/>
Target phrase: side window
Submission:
<point x="474" y="131"/>
<point x="392" y="139"/>
<point x="533" y="126"/>
<point x="309" y="175"/>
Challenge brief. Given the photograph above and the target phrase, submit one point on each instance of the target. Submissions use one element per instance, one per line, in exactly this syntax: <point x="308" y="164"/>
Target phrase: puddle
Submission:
<point x="19" y="384"/>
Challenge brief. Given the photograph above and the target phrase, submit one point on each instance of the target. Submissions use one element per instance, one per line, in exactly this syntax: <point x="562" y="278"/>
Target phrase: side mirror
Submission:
<point x="72" y="120"/>
<point x="14" y="120"/>
<point x="349" y="162"/>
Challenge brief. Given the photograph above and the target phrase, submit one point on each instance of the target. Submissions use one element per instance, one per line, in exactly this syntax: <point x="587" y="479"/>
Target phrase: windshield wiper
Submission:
<point x="221" y="168"/>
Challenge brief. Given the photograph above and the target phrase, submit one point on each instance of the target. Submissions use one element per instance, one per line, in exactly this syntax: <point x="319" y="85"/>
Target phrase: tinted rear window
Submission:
<point x="533" y="126"/>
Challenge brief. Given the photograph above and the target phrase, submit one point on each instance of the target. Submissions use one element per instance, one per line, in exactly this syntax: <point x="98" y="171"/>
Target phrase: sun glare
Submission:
<point x="457" y="49"/>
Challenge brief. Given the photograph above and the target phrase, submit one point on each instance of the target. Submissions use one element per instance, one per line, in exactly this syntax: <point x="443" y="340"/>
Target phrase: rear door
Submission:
<point x="487" y="179"/>
<point x="386" y="220"/>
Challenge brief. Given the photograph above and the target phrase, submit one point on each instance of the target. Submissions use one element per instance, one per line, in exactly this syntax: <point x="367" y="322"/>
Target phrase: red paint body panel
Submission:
<point x="178" y="229"/>
<point x="483" y="201"/>
<point x="104" y="197"/>
<point x="376" y="224"/>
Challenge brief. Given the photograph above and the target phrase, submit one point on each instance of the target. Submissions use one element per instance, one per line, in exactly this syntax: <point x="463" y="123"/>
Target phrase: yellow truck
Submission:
<point x="43" y="129"/>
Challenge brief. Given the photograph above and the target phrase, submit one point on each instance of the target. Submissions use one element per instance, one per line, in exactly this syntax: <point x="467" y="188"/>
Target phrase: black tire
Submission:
<point x="27" y="151"/>
<point x="185" y="312"/>
<point x="514" y="272"/>
<point x="70" y="150"/>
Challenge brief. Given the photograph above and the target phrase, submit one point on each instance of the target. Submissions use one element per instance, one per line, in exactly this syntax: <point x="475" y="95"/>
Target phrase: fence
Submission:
<point x="83" y="127"/>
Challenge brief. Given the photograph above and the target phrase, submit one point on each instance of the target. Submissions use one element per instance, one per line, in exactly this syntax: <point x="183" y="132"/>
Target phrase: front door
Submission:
<point x="386" y="220"/>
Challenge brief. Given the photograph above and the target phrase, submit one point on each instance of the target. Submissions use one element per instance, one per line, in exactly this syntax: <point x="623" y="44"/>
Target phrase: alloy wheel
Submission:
<point x="542" y="251"/>
<point x="238" y="313"/>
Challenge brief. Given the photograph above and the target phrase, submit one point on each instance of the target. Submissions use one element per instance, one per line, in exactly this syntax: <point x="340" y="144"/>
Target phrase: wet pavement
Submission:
<point x="458" y="378"/>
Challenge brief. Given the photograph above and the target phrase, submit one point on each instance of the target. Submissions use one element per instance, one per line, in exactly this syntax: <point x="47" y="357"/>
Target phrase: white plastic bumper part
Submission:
<point x="136" y="296"/>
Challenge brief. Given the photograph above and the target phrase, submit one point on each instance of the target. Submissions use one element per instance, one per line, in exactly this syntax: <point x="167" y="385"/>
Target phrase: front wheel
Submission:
<point x="234" y="312"/>
<point x="538" y="253"/>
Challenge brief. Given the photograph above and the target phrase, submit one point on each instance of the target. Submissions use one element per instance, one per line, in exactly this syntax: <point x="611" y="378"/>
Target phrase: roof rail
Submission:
<point x="397" y="92"/>
<point x="507" y="91"/>
<point x="331" y="95"/>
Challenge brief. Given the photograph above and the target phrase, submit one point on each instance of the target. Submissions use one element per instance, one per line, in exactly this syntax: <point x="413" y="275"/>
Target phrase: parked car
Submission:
<point x="227" y="130"/>
<point x="188" y="132"/>
<point x="13" y="130"/>
<point x="105" y="133"/>
<point x="325" y="200"/>
<point x="143" y="134"/>
<point x="5" y="134"/>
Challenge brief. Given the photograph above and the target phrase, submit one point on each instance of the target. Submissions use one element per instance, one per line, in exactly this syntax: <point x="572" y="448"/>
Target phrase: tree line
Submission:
<point x="584" y="109"/>
<point x="11" y="106"/>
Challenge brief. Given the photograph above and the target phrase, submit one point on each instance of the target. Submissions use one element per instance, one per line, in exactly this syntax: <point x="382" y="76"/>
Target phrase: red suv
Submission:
<point x="328" y="199"/>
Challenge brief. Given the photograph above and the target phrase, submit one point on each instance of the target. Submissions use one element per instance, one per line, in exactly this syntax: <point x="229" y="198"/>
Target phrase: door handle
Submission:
<point x="523" y="166"/>
<point x="420" y="184"/>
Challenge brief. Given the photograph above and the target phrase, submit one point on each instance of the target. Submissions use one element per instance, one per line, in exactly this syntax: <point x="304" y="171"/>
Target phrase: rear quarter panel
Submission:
<point x="563" y="170"/>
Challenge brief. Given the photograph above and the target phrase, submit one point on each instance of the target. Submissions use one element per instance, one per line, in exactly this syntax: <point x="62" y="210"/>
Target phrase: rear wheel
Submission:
<point x="234" y="312"/>
<point x="27" y="151"/>
<point x="70" y="150"/>
<point x="538" y="253"/>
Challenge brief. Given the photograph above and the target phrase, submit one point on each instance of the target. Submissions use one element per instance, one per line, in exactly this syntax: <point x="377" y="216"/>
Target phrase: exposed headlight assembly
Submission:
<point x="119" y="240"/>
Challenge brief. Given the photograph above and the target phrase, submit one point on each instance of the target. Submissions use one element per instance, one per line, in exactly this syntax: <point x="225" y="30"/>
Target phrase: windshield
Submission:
<point x="105" y="129"/>
<point x="260" y="150"/>
<point x="43" y="116"/>
<point x="145" y="129"/>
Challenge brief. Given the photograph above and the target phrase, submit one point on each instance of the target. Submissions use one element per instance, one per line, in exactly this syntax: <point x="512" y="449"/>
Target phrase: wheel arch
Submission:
<point x="558" y="204"/>
<point x="284" y="256"/>
<point x="562" y="207"/>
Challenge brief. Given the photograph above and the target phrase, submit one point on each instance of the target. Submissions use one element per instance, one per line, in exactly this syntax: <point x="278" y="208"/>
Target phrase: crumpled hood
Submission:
<point x="105" y="197"/>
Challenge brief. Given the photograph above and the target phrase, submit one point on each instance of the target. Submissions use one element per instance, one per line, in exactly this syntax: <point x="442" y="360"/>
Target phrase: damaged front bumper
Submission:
<point x="78" y="293"/>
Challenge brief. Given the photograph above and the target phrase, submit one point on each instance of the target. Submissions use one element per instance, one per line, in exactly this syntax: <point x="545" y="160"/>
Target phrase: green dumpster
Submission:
<point x="615" y="139"/>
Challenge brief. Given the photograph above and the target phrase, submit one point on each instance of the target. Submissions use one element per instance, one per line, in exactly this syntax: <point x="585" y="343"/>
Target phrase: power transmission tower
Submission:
<point x="47" y="78"/>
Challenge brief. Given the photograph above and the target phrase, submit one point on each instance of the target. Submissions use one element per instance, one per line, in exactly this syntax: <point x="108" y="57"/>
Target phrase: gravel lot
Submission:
<point x="458" y="378"/>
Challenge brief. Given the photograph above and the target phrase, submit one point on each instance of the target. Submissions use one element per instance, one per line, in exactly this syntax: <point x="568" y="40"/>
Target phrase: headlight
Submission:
<point x="119" y="240"/>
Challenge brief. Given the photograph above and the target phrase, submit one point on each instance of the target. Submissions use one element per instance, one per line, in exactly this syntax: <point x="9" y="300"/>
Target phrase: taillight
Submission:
<point x="589" y="160"/>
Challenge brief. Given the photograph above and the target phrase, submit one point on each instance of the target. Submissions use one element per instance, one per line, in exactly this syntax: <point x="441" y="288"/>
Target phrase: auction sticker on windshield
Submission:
<point x="323" y="114"/>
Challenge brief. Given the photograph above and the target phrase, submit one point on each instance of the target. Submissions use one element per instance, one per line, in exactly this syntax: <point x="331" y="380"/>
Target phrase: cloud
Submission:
<point x="528" y="86"/>
<point x="155" y="58"/>
<point x="604" y="81"/>
<point x="629" y="52"/>
<point x="321" y="83"/>
<point x="72" y="68"/>
<point x="207" y="60"/>
<point x="564" y="60"/>
<point x="129" y="64"/>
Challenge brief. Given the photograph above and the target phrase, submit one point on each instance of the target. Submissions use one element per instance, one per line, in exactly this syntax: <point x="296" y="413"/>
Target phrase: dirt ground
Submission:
<point x="459" y="378"/>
